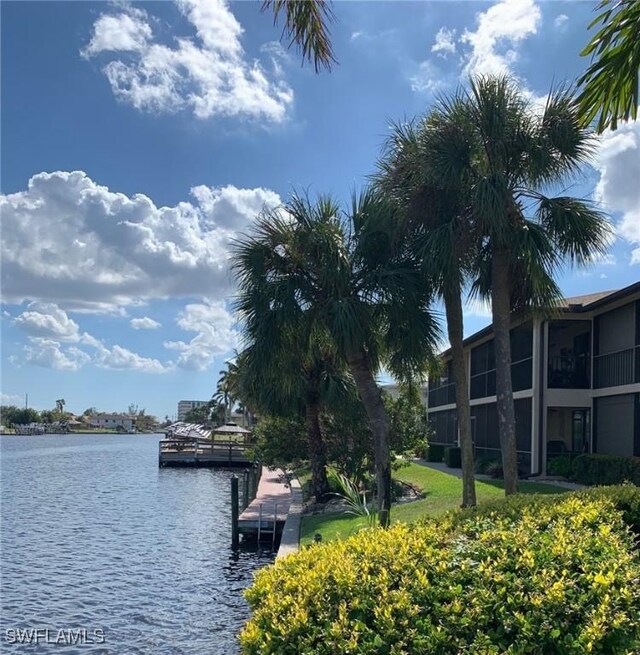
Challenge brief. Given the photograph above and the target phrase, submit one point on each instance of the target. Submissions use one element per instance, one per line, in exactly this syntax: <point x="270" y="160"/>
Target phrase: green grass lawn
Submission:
<point x="442" y="491"/>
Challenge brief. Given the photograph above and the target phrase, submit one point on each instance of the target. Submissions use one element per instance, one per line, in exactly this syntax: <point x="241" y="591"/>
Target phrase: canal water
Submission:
<point x="98" y="540"/>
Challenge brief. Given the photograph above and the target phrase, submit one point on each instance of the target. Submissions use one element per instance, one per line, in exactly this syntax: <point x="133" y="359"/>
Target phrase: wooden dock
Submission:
<point x="265" y="516"/>
<point x="203" y="452"/>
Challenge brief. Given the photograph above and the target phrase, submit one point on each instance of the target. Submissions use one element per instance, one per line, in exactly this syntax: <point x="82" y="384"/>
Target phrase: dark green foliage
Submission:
<point x="484" y="463"/>
<point x="281" y="441"/>
<point x="560" y="466"/>
<point x="435" y="453"/>
<point x="495" y="470"/>
<point x="408" y="425"/>
<point x="606" y="469"/>
<point x="452" y="457"/>
<point x="12" y="415"/>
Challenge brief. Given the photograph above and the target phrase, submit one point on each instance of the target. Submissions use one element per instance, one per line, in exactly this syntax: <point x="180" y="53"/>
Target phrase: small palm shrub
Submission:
<point x="541" y="578"/>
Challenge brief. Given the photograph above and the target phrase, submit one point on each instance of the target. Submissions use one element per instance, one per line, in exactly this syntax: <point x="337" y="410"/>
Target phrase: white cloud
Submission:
<point x="144" y="323"/>
<point x="49" y="354"/>
<point x="10" y="398"/>
<point x="428" y="78"/>
<point x="47" y="320"/>
<point x="119" y="33"/>
<point x="132" y="250"/>
<point x="560" y="22"/>
<point x="500" y="30"/>
<point x="48" y="327"/>
<point x="356" y="35"/>
<point x="207" y="74"/>
<point x="618" y="189"/>
<point x="445" y="42"/>
<point x="119" y="358"/>
<point x="215" y="335"/>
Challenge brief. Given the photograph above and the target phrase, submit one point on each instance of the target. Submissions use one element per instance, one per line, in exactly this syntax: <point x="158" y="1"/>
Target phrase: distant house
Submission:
<point x="185" y="406"/>
<point x="576" y="383"/>
<point x="124" y="422"/>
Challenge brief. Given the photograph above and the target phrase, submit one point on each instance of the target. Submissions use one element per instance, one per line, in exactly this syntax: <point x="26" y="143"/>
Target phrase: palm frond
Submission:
<point x="609" y="87"/>
<point x="306" y="24"/>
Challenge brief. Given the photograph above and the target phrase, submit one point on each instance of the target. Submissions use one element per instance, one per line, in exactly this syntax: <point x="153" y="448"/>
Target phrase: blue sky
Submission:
<point x="138" y="139"/>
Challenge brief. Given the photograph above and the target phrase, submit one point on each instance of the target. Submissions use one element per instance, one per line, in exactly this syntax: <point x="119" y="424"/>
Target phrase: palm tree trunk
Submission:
<point x="453" y="308"/>
<point x="317" y="450"/>
<point x="501" y="310"/>
<point x="371" y="398"/>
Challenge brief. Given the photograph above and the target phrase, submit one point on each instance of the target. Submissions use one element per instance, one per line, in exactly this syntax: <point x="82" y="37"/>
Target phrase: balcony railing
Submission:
<point x="617" y="368"/>
<point x="568" y="372"/>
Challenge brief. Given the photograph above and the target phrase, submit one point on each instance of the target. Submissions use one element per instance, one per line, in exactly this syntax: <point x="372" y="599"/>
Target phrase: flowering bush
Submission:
<point x="540" y="578"/>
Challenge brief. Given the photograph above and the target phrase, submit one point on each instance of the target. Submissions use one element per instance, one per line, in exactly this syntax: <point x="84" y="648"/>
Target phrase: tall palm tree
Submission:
<point x="609" y="86"/>
<point x="514" y="159"/>
<point x="439" y="227"/>
<point x="306" y="24"/>
<point x="347" y="278"/>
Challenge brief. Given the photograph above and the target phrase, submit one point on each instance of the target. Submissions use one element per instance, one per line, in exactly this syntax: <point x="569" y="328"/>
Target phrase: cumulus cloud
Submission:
<point x="618" y="162"/>
<point x="120" y="358"/>
<point x="445" y="43"/>
<point x="68" y="240"/>
<point x="50" y="331"/>
<point x="207" y="74"/>
<point x="500" y="30"/>
<point x="492" y="48"/>
<point x="50" y="354"/>
<point x="215" y="336"/>
<point x="144" y="323"/>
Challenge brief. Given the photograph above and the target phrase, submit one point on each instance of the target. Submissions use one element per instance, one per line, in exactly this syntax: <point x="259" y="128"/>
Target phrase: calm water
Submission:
<point x="96" y="536"/>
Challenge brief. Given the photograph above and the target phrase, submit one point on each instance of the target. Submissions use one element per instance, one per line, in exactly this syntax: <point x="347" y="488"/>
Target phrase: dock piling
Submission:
<point x="245" y="489"/>
<point x="235" y="537"/>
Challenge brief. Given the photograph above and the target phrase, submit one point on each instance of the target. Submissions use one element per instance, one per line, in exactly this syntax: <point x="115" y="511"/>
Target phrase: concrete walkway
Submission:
<point x="443" y="468"/>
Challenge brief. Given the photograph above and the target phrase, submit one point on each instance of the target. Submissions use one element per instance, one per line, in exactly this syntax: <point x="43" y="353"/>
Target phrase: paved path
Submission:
<point x="272" y="495"/>
<point x="440" y="466"/>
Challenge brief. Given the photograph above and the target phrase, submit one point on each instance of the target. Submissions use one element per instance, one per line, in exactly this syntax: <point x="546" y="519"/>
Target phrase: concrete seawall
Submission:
<point x="290" y="541"/>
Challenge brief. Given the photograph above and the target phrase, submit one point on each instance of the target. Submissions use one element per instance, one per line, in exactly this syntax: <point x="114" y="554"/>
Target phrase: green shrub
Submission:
<point x="495" y="470"/>
<point x="626" y="499"/>
<point x="483" y="463"/>
<point x="561" y="466"/>
<point x="452" y="457"/>
<point x="548" y="579"/>
<point x="435" y="452"/>
<point x="606" y="469"/>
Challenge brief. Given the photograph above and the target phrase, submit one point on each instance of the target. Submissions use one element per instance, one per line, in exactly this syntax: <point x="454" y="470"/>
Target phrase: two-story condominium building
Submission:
<point x="576" y="383"/>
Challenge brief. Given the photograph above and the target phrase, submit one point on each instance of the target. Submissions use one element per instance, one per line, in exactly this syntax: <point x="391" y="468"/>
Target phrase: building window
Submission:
<point x="483" y="364"/>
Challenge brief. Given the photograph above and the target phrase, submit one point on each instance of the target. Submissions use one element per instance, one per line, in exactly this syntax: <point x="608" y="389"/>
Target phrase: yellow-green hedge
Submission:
<point x="557" y="578"/>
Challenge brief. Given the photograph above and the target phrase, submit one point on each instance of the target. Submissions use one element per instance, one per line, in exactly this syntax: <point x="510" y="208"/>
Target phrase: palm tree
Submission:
<point x="438" y="218"/>
<point x="348" y="279"/>
<point x="513" y="159"/>
<point x="609" y="86"/>
<point x="297" y="373"/>
<point x="224" y="394"/>
<point x="306" y="24"/>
